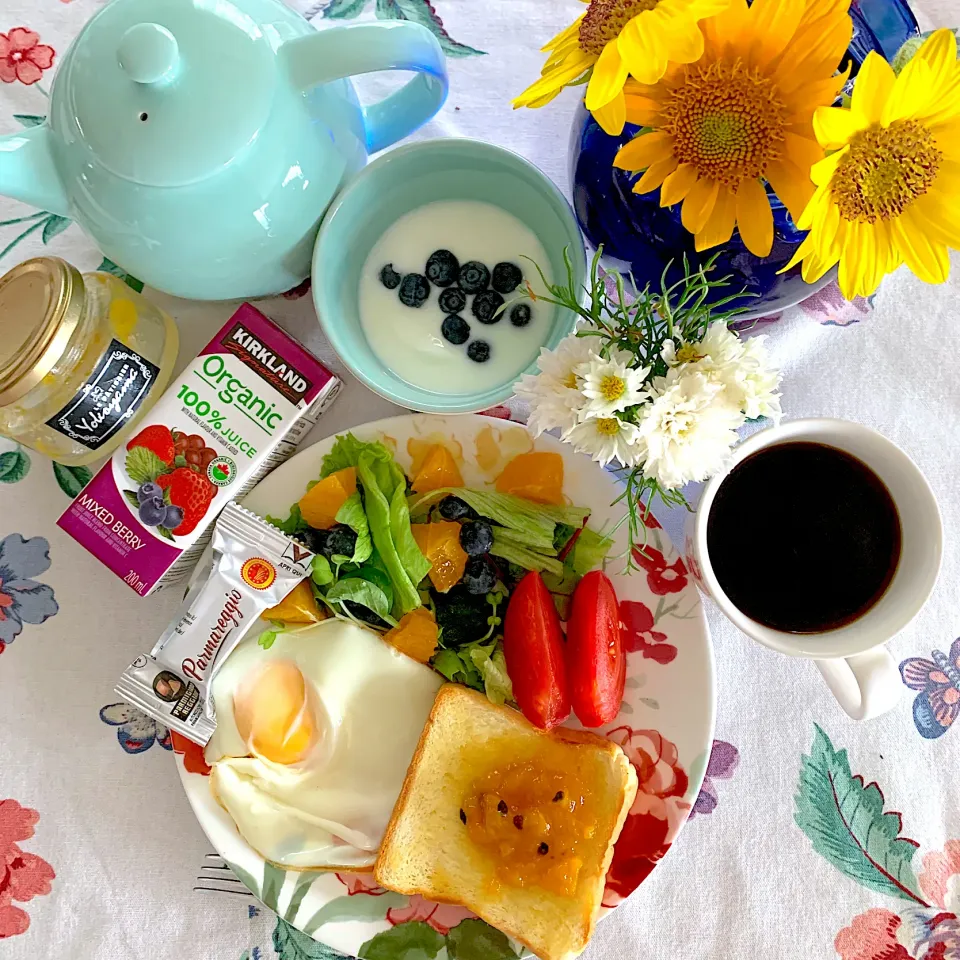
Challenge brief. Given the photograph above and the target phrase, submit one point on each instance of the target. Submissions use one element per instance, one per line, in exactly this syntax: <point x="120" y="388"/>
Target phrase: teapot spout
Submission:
<point x="28" y="171"/>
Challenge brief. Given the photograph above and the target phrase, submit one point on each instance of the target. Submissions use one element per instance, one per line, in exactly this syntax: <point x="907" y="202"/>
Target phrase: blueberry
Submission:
<point x="414" y="290"/>
<point x="476" y="538"/>
<point x="152" y="512"/>
<point x="316" y="540"/>
<point x="342" y="540"/>
<point x="149" y="490"/>
<point x="479" y="576"/>
<point x="389" y="277"/>
<point x="363" y="613"/>
<point x="506" y="277"/>
<point x="486" y="305"/>
<point x="453" y="508"/>
<point x="474" y="277"/>
<point x="452" y="300"/>
<point x="455" y="330"/>
<point x="520" y="314"/>
<point x="442" y="268"/>
<point x="172" y="517"/>
<point x="479" y="351"/>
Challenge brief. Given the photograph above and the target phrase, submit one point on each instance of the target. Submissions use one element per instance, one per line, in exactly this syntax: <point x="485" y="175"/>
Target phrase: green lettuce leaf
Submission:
<point x="379" y="485"/>
<point x="360" y="591"/>
<point x="536" y="521"/>
<point x="344" y="453"/>
<point x="377" y="575"/>
<point x="523" y="557"/>
<point x="293" y="524"/>
<point x="320" y="573"/>
<point x="414" y="562"/>
<point x="352" y="514"/>
<point x="493" y="668"/>
<point x="588" y="552"/>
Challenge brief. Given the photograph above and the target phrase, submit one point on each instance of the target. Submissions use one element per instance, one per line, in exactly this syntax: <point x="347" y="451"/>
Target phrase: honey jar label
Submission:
<point x="108" y="398"/>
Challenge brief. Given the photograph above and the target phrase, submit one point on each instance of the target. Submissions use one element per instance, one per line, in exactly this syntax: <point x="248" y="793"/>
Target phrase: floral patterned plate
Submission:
<point x="665" y="725"/>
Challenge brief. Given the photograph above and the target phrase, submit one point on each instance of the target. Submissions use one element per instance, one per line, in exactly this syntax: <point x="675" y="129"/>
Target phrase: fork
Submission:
<point x="216" y="877"/>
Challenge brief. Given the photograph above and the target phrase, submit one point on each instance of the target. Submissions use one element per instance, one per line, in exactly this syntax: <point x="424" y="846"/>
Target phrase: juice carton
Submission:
<point x="236" y="411"/>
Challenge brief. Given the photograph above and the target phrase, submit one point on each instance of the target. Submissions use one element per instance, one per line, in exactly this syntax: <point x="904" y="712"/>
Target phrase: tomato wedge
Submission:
<point x="533" y="650"/>
<point x="596" y="661"/>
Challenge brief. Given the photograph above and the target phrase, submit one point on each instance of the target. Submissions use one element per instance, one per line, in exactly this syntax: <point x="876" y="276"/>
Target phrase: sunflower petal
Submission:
<point x="719" y="226"/>
<point x="573" y="68"/>
<point x="678" y="184"/>
<point x="774" y="24"/>
<point x="926" y="257"/>
<point x="645" y="59"/>
<point x="655" y="175"/>
<point x="612" y="116"/>
<point x="792" y="185"/>
<point x="939" y="52"/>
<point x="609" y="76"/>
<point x="682" y="39"/>
<point x="806" y="249"/>
<point x="644" y="150"/>
<point x="947" y="136"/>
<point x="941" y="218"/>
<point x="911" y="92"/>
<point x="834" y="126"/>
<point x="822" y="171"/>
<point x="641" y="110"/>
<point x="802" y="152"/>
<point x="698" y="204"/>
<point x="571" y="33"/>
<point x="754" y="218"/>
<point x="725" y="28"/>
<point x="874" y="85"/>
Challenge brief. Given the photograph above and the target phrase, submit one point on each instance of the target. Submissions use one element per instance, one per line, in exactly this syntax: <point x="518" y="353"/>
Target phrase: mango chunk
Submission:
<point x="415" y="635"/>
<point x="319" y="505"/>
<point x="440" y="543"/>
<point x="534" y="476"/>
<point x="298" y="606"/>
<point x="439" y="469"/>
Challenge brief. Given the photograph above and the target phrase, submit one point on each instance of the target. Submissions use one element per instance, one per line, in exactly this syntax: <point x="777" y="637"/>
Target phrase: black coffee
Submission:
<point x="803" y="537"/>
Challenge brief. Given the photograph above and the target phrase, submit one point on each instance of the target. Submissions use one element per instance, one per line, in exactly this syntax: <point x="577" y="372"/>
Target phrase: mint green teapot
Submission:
<point x="199" y="142"/>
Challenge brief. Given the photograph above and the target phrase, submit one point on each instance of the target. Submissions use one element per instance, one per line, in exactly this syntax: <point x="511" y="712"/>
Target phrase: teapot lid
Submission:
<point x="168" y="93"/>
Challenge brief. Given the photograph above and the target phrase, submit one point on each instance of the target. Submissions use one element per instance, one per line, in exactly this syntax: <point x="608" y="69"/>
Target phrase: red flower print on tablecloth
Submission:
<point x="638" y="635"/>
<point x="657" y="813"/>
<point x="193" y="759"/>
<point x="828" y="306"/>
<point x="443" y="917"/>
<point x="23" y="876"/>
<point x="662" y="577"/>
<point x="23" y="57"/>
<point x="360" y="883"/>
<point x="871" y="936"/>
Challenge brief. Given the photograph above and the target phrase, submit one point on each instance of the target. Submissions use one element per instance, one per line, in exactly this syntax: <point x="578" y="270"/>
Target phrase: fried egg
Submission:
<point x="314" y="736"/>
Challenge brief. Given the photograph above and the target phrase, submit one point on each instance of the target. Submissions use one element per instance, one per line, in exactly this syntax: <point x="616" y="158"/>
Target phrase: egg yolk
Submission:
<point x="273" y="715"/>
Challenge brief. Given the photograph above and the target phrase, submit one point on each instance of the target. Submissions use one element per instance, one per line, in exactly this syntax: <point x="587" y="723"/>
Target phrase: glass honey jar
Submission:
<point x="82" y="358"/>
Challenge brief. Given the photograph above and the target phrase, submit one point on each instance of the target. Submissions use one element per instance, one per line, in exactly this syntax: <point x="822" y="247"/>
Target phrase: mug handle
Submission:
<point x="351" y="49"/>
<point x="865" y="685"/>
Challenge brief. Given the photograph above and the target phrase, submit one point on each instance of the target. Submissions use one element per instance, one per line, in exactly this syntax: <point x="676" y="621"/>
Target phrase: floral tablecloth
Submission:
<point x="813" y="836"/>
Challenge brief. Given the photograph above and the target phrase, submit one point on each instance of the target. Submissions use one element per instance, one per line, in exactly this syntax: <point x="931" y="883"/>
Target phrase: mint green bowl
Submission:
<point x="402" y="180"/>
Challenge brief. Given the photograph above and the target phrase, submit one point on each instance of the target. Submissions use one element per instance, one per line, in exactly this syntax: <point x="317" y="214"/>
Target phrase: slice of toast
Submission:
<point x="429" y="848"/>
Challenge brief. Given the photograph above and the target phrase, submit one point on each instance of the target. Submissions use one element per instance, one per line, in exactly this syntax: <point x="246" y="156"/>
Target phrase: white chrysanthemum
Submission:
<point x="688" y="429"/>
<point x="755" y="387"/>
<point x="610" y="386"/>
<point x="553" y="394"/>
<point x="719" y="348"/>
<point x="606" y="439"/>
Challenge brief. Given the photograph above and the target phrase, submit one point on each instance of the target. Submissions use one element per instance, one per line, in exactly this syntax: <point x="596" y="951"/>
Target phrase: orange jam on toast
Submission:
<point x="533" y="822"/>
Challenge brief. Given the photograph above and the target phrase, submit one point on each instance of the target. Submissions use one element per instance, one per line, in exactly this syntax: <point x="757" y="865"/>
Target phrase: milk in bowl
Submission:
<point x="443" y="299"/>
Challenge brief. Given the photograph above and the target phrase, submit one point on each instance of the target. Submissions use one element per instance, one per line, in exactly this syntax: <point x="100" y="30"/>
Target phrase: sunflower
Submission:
<point x="614" y="38"/>
<point x="741" y="114"/>
<point x="890" y="194"/>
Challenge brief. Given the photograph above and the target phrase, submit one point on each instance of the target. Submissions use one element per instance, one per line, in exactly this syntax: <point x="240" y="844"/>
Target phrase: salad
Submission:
<point x="475" y="582"/>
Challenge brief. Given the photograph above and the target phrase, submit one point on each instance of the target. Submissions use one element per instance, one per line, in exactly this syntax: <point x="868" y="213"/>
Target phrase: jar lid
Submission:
<point x="41" y="302"/>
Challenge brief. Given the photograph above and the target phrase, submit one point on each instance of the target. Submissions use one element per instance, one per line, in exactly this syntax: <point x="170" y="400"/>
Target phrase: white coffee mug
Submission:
<point x="853" y="660"/>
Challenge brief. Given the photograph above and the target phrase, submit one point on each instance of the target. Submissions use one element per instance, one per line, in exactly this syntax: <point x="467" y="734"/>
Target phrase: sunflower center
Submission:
<point x="612" y="388"/>
<point x="884" y="171"/>
<point x="604" y="20"/>
<point x="727" y="120"/>
<point x="608" y="426"/>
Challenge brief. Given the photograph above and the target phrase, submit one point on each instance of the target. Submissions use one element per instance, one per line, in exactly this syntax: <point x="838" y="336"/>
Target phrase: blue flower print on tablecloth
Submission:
<point x="724" y="758"/>
<point x="136" y="731"/>
<point x="22" y="599"/>
<point x="827" y="306"/>
<point x="937" y="681"/>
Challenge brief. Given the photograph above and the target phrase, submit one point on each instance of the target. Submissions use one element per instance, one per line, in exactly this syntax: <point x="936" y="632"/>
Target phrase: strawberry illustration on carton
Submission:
<point x="239" y="409"/>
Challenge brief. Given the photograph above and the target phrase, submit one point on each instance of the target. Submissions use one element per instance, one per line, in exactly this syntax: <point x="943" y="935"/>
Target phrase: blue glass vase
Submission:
<point x="639" y="235"/>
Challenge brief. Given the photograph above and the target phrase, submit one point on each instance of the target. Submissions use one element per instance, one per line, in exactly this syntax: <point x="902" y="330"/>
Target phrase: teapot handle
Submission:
<point x="356" y="48"/>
